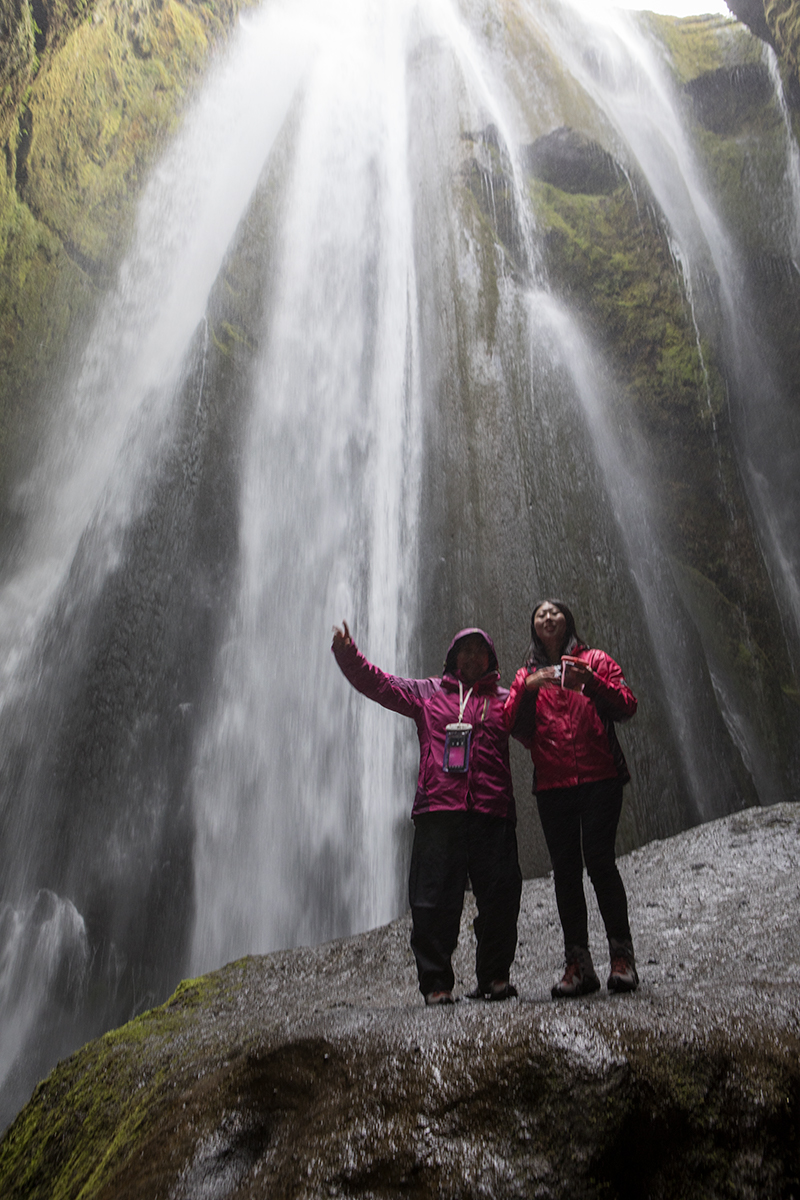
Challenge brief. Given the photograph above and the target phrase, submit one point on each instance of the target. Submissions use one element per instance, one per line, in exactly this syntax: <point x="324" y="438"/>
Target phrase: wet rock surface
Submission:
<point x="319" y="1072"/>
<point x="573" y="162"/>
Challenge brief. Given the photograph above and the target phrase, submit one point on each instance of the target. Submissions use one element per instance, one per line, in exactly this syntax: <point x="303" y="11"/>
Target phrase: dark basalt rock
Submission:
<point x="724" y="99"/>
<point x="751" y="13"/>
<point x="573" y="162"/>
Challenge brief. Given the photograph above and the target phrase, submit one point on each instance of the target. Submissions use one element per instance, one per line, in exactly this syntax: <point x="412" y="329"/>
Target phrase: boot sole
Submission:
<point x="620" y="986"/>
<point x="587" y="988"/>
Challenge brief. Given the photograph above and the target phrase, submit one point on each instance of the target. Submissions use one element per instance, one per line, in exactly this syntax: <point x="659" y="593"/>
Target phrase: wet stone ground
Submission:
<point x="320" y="1073"/>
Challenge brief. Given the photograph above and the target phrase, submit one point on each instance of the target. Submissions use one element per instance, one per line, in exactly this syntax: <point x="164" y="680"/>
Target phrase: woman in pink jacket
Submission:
<point x="464" y="813"/>
<point x="564" y="702"/>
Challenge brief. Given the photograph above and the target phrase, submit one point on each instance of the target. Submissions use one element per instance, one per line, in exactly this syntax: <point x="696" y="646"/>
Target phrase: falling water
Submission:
<point x="319" y="392"/>
<point x="624" y="72"/>
<point x="297" y="794"/>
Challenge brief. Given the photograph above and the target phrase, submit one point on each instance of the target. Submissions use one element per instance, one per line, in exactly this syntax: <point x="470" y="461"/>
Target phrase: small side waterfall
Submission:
<point x="338" y="378"/>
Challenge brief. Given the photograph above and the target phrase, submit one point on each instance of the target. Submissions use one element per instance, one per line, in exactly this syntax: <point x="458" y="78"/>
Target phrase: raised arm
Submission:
<point x="400" y="695"/>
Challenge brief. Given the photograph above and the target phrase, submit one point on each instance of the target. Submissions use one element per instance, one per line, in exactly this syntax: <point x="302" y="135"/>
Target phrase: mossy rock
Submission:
<point x="83" y="123"/>
<point x="697" y="46"/>
<point x="783" y="19"/>
<point x="319" y="1072"/>
<point x="98" y="110"/>
<point x="18" y="61"/>
<point x="610" y="256"/>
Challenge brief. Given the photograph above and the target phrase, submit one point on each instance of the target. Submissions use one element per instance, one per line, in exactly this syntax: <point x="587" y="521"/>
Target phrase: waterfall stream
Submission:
<point x="317" y="391"/>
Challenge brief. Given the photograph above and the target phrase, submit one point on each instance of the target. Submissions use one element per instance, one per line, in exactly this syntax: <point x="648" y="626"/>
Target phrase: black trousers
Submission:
<point x="448" y="847"/>
<point x="587" y="814"/>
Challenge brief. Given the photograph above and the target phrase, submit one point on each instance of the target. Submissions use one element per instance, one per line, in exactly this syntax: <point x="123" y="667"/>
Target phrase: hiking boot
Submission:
<point x="498" y="989"/>
<point x="579" y="978"/>
<point x="501" y="989"/>
<point x="443" y="997"/>
<point x="623" y="977"/>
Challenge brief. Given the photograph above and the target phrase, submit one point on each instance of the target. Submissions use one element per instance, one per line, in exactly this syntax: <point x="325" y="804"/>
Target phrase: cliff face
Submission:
<point x="776" y="22"/>
<point x="88" y="92"/>
<point x="610" y="253"/>
<point x="107" y="763"/>
<point x="320" y="1072"/>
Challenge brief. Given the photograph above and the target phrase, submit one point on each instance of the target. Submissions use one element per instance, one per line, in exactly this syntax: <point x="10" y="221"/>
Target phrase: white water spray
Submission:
<point x="362" y="122"/>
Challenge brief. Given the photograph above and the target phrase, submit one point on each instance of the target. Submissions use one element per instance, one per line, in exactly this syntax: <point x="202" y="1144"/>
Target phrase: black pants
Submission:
<point x="587" y="813"/>
<point x="448" y="847"/>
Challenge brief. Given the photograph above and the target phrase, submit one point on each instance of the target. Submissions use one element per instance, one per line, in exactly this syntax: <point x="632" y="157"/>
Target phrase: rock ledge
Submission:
<point x="319" y="1073"/>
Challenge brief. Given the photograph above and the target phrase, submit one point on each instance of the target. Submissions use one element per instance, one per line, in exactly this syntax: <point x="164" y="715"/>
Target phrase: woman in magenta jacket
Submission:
<point x="464" y="813"/>
<point x="565" y="702"/>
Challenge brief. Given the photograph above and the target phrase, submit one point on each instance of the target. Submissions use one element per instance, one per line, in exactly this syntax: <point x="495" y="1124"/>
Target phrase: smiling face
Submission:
<point x="550" y="626"/>
<point x="472" y="658"/>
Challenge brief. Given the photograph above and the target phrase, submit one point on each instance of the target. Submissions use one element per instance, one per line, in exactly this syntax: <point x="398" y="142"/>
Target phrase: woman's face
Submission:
<point x="550" y="626"/>
<point x="472" y="658"/>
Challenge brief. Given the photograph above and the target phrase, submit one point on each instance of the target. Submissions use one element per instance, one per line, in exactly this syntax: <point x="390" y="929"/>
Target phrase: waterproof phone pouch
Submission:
<point x="456" y="747"/>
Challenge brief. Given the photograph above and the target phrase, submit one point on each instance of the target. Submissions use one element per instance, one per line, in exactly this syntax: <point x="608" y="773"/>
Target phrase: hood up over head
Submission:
<point x="452" y="651"/>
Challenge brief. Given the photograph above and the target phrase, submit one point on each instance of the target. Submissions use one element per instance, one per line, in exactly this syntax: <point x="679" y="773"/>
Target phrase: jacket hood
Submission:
<point x="450" y="659"/>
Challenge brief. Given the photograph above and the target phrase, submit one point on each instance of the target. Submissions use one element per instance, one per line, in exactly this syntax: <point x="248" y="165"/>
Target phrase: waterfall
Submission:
<point x="335" y="380"/>
<point x="623" y="71"/>
<point x="297" y="795"/>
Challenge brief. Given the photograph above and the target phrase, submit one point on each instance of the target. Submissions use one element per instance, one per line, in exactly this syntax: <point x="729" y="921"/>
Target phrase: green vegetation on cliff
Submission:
<point x="607" y="250"/>
<point x="81" y="121"/>
<point x="783" y="19"/>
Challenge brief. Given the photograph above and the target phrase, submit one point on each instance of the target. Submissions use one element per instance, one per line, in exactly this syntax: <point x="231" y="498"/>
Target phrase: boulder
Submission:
<point x="318" y="1072"/>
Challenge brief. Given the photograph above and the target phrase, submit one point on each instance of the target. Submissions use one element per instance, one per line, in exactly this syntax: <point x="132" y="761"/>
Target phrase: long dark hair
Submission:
<point x="537" y="655"/>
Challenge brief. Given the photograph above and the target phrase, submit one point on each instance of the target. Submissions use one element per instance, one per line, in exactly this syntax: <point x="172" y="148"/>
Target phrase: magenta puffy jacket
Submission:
<point x="433" y="703"/>
<point x="571" y="735"/>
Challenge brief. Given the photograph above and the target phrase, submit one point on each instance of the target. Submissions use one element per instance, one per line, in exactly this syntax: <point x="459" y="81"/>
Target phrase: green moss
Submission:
<point x="98" y="1105"/>
<point x="98" y="112"/>
<point x="612" y="260"/>
<point x="81" y="135"/>
<point x="18" y="61"/>
<point x="616" y="266"/>
<point x="783" y="19"/>
<point x="696" y="46"/>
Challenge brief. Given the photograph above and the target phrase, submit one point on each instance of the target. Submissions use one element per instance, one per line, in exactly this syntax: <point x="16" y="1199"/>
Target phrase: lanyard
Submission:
<point x="462" y="700"/>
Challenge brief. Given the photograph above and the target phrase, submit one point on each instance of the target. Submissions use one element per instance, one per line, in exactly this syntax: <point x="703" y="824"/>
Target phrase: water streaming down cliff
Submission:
<point x="334" y="381"/>
<point x="291" y="847"/>
<point x="622" y="72"/>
